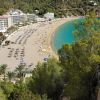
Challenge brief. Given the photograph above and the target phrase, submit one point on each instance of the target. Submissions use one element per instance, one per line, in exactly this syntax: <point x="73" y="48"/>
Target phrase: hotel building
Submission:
<point x="5" y="23"/>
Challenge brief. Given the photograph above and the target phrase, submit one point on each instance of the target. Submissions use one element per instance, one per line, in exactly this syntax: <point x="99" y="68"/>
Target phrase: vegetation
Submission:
<point x="2" y="37"/>
<point x="72" y="76"/>
<point x="81" y="60"/>
<point x="5" y="5"/>
<point x="12" y="29"/>
<point x="47" y="79"/>
<point x="59" y="7"/>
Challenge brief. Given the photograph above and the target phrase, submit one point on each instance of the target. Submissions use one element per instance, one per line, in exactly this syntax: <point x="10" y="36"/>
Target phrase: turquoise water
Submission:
<point x="64" y="35"/>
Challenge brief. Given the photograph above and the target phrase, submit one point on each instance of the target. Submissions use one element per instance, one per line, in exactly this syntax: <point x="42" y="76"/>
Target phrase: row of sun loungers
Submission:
<point x="23" y="38"/>
<point x="15" y="52"/>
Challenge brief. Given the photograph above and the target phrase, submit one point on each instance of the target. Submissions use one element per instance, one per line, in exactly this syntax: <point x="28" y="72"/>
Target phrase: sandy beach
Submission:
<point x="30" y="44"/>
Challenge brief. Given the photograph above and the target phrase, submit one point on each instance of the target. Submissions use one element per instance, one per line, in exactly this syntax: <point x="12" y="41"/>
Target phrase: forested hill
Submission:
<point x="60" y="7"/>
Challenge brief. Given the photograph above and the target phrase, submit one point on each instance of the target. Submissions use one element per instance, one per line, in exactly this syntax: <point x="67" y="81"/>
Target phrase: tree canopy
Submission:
<point x="74" y="75"/>
<point x="81" y="60"/>
<point x="59" y="7"/>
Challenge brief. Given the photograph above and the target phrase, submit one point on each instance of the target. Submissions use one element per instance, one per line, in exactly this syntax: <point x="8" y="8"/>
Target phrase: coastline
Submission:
<point x="62" y="21"/>
<point x="31" y="44"/>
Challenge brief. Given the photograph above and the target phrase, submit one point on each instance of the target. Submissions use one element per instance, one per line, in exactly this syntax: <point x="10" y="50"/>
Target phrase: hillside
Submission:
<point x="60" y="7"/>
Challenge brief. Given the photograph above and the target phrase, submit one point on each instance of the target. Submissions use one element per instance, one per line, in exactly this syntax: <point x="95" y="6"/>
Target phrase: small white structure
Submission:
<point x="15" y="12"/>
<point x="28" y="75"/>
<point x="31" y="17"/>
<point x="39" y="19"/>
<point x="5" y="23"/>
<point x="49" y="16"/>
<point x="36" y="11"/>
<point x="93" y="3"/>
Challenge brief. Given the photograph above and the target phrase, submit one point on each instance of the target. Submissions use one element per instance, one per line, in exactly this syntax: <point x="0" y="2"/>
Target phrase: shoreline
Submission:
<point x="53" y="34"/>
<point x="31" y="44"/>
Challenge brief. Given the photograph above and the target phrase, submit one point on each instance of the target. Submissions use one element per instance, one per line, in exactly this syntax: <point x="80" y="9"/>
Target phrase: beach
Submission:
<point x="30" y="44"/>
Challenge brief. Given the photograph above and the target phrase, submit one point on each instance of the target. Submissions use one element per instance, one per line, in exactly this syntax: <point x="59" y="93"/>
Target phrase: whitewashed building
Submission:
<point x="17" y="16"/>
<point x="49" y="16"/>
<point x="20" y="17"/>
<point x="31" y="17"/>
<point x="39" y="19"/>
<point x="5" y="23"/>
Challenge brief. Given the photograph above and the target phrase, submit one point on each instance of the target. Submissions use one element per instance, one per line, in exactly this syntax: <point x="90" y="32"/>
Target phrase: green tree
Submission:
<point x="7" y="88"/>
<point x="20" y="71"/>
<point x="46" y="78"/>
<point x="80" y="60"/>
<point x="3" y="70"/>
<point x="2" y="11"/>
<point x="21" y="92"/>
<point x="10" y="75"/>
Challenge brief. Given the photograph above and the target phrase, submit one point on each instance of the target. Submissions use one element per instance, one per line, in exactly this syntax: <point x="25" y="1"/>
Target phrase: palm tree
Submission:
<point x="20" y="71"/>
<point x="3" y="70"/>
<point x="10" y="75"/>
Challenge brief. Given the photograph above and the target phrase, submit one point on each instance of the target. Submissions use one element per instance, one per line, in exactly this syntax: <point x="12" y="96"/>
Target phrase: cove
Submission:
<point x="64" y="34"/>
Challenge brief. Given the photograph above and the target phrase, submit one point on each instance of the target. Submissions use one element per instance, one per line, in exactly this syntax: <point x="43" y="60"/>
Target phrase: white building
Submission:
<point x="31" y="17"/>
<point x="5" y="23"/>
<point x="20" y="17"/>
<point x="39" y="19"/>
<point x="49" y="16"/>
<point x="17" y="16"/>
